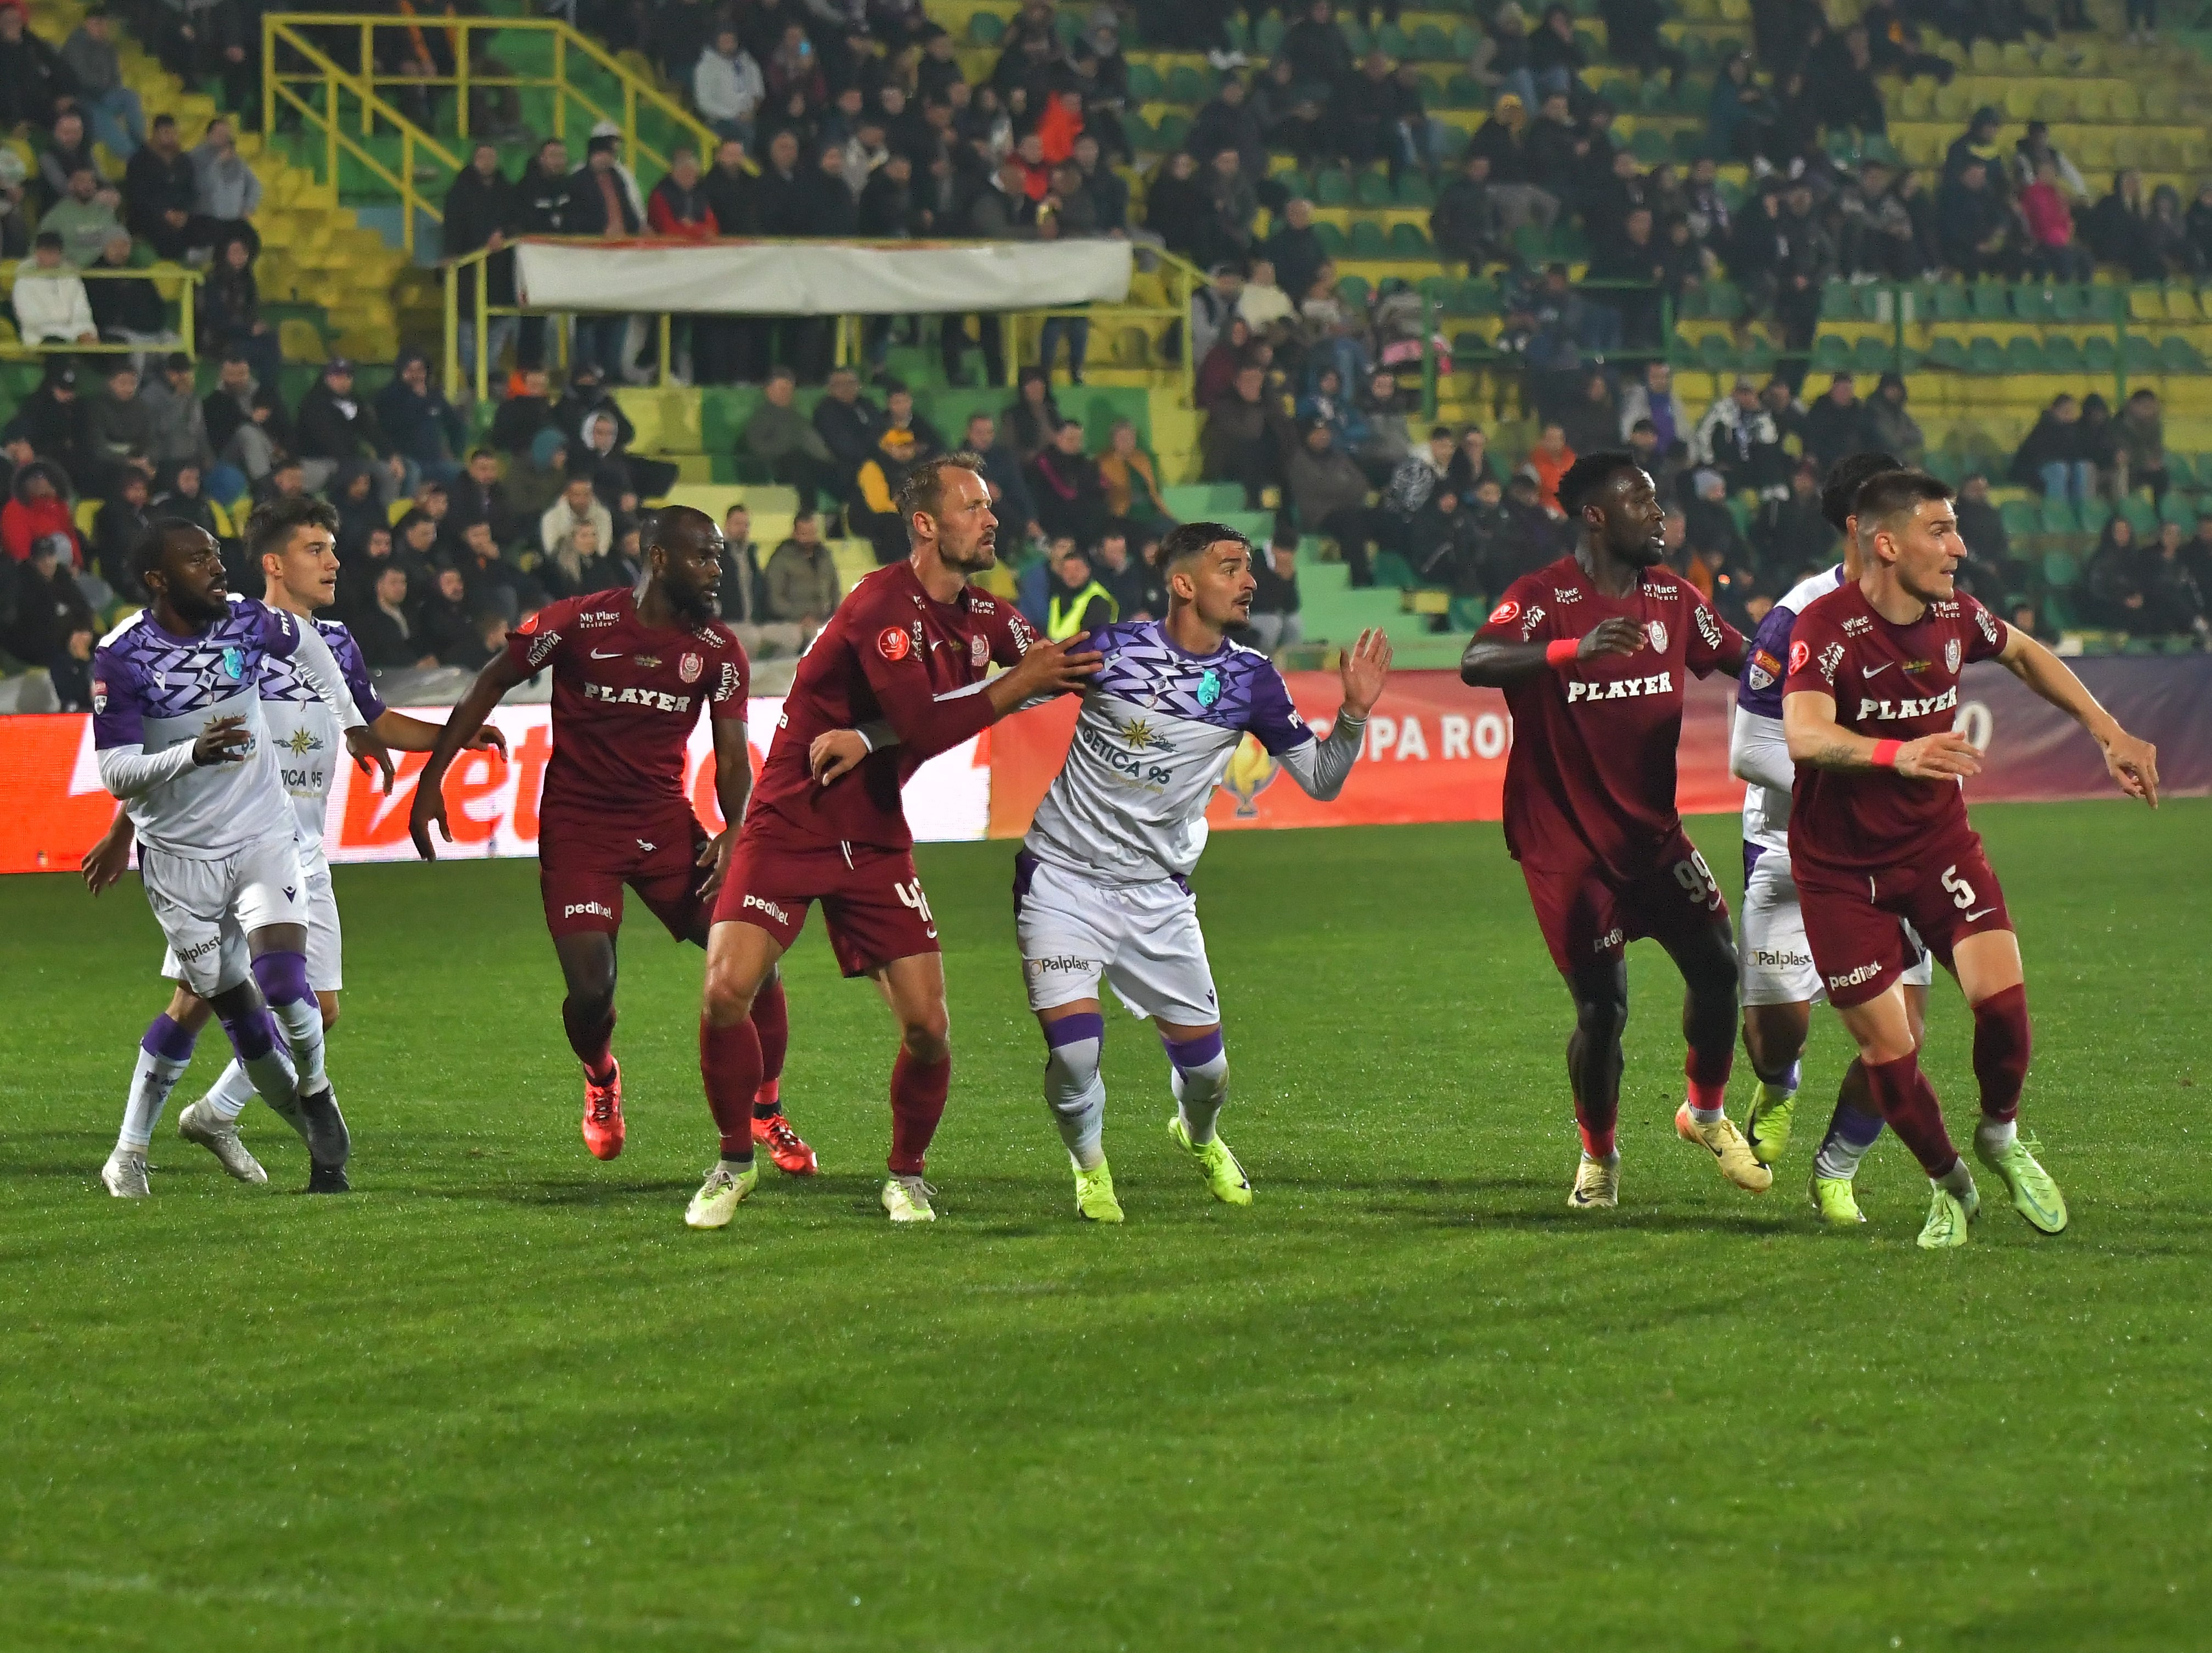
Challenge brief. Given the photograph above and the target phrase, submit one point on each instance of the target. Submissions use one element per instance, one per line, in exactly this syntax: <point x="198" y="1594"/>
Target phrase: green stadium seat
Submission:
<point x="2176" y="355"/>
<point x="1873" y="355"/>
<point x="1945" y="352"/>
<point x="1414" y="190"/>
<point x="1951" y="303"/>
<point x="1984" y="355"/>
<point x="2024" y="355"/>
<point x="2141" y="515"/>
<point x="1393" y="41"/>
<point x="1992" y="301"/>
<point x="1650" y="145"/>
<point x="1469" y="347"/>
<point x="1477" y="297"/>
<point x="1332" y="239"/>
<point x="1468" y="613"/>
<point x="1431" y="45"/>
<point x="1367" y="239"/>
<point x="1690" y="307"/>
<point x="2062" y="570"/>
<point x="1839" y="302"/>
<point x="1355" y="291"/>
<point x="1392" y="569"/>
<point x="1144" y="80"/>
<point x="2094" y="514"/>
<point x="2060" y="354"/>
<point x="2141" y="354"/>
<point x="1464" y="91"/>
<point x="2058" y="517"/>
<point x="1372" y="189"/>
<point x="985" y="28"/>
<point x="1411" y="241"/>
<point x="1333" y="188"/>
<point x="1354" y="36"/>
<point x="1187" y="84"/>
<point x="2105" y="303"/>
<point x="2098" y="355"/>
<point x="2021" y="520"/>
<point x="2068" y="303"/>
<point x="1717" y="353"/>
<point x="1439" y="290"/>
<point x="2032" y="303"/>
<point x="2180" y="472"/>
<point x="1240" y="37"/>
<point x="1831" y="353"/>
<point x="1139" y="132"/>
<point x="1723" y="300"/>
<point x="2178" y="506"/>
<point x="1268" y="37"/>
<point x="1173" y="131"/>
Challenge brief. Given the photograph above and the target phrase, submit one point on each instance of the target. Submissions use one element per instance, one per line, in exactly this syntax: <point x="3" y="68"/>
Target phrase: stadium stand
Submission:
<point x="1634" y="155"/>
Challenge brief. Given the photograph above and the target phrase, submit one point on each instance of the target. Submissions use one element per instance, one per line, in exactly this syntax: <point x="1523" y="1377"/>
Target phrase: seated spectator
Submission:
<point x="1245" y="438"/>
<point x="1738" y="113"/>
<point x="177" y="424"/>
<point x="38" y="508"/>
<point x="1657" y="399"/>
<point x="1213" y="307"/>
<point x="1590" y="422"/>
<point x="1123" y="576"/>
<point x="118" y="119"/>
<point x="84" y="217"/>
<point x="1074" y="599"/>
<point x="2053" y="253"/>
<point x="803" y="588"/>
<point x="497" y="586"/>
<point x="1328" y="404"/>
<point x="49" y="297"/>
<point x="1010" y="491"/>
<point x="1274" y="619"/>
<point x="15" y="229"/>
<point x="116" y="528"/>
<point x="1217" y="370"/>
<point x="69" y="150"/>
<point x="1548" y="462"/>
<point x="779" y="437"/>
<point x="1470" y="464"/>
<point x="539" y="477"/>
<point x="1294" y="250"/>
<point x="225" y="191"/>
<point x="43" y="604"/>
<point x="1976" y="226"/>
<point x="579" y="503"/>
<point x="1465" y="223"/>
<point x="2100" y="443"/>
<point x="1066" y="489"/>
<point x="230" y="316"/>
<point x="2054" y="457"/>
<point x="2113" y="579"/>
<point x="477" y="494"/>
<point x="351" y="491"/>
<point x="1790" y="533"/>
<point x="526" y="412"/>
<point x="1265" y="307"/>
<point x="598" y="458"/>
<point x="388" y="631"/>
<point x="1130" y="479"/>
<point x="1837" y="424"/>
<point x="847" y="423"/>
<point x="159" y="185"/>
<point x="334" y="425"/>
<point x="1734" y="431"/>
<point x="1330" y="493"/>
<point x="1981" y="525"/>
<point x="2141" y="432"/>
<point x="417" y="419"/>
<point x="363" y="564"/>
<point x="1033" y="418"/>
<point x="871" y="512"/>
<point x="1890" y="428"/>
<point x="1535" y="534"/>
<point x="580" y="566"/>
<point x="247" y="425"/>
<point x="899" y="415"/>
<point x="118" y="432"/>
<point x="1385" y="410"/>
<point x="2173" y="598"/>
<point x="447" y="630"/>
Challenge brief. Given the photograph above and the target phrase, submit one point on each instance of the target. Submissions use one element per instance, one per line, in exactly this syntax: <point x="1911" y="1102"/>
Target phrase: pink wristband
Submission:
<point x="1561" y="652"/>
<point x="1884" y="754"/>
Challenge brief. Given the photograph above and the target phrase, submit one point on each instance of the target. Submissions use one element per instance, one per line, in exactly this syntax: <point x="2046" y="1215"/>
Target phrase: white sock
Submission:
<point x="1997" y="1134"/>
<point x="227" y="1097"/>
<point x="1199" y="1093"/>
<point x="1077" y="1096"/>
<point x="302" y="1023"/>
<point x="151" y="1083"/>
<point x="1611" y="1159"/>
<point x="1958" y="1181"/>
<point x="1707" y="1115"/>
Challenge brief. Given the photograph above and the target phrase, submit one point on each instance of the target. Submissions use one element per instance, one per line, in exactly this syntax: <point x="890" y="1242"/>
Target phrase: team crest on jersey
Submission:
<point x="689" y="667"/>
<point x="979" y="651"/>
<point x="1656" y="631"/>
<point x="99" y="696"/>
<point x="1951" y="654"/>
<point x="891" y="643"/>
<point x="234" y="663"/>
<point x="1209" y="687"/>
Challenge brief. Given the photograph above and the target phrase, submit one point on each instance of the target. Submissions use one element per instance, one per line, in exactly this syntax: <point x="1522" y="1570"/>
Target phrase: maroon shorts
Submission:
<point x="1851" y="918"/>
<point x="1587" y="913"/>
<point x="872" y="899"/>
<point x="581" y="876"/>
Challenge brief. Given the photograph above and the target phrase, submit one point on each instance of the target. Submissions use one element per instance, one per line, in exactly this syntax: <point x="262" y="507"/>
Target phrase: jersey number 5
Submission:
<point x="1697" y="881"/>
<point x="1962" y="893"/>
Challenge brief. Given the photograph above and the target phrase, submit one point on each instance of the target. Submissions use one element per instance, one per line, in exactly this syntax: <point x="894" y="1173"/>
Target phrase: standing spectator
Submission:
<point x="160" y="189"/>
<point x="1330" y="493"/>
<point x="1976" y="225"/>
<point x="1736" y="438"/>
<point x="1245" y="438"/>
<point x="230" y="310"/>
<point x="545" y="204"/>
<point x="803" y="589"/>
<point x="1065" y="486"/>
<point x="779" y="437"/>
<point x="1466" y="224"/>
<point x="118" y="117"/>
<point x="127" y="308"/>
<point x="120" y="523"/>
<point x="2054" y="254"/>
<point x="33" y="79"/>
<point x="481" y="209"/>
<point x="1033" y="418"/>
<point x="417" y="420"/>
<point x="225" y="190"/>
<point x="727" y="87"/>
<point x="1738" y="113"/>
<point x="49" y="297"/>
<point x="1274" y="617"/>
<point x="2142" y="446"/>
<point x="1632" y="37"/>
<point x="1294" y="250"/>
<point x="1890" y="428"/>
<point x="600" y="205"/>
<point x="679" y="209"/>
<point x="176" y="425"/>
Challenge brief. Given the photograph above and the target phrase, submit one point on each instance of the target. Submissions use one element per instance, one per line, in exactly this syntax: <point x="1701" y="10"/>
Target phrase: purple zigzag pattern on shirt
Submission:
<point x="1145" y="669"/>
<point x="177" y="676"/>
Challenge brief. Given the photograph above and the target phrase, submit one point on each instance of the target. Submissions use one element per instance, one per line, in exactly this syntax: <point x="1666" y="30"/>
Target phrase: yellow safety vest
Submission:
<point x="1063" y="616"/>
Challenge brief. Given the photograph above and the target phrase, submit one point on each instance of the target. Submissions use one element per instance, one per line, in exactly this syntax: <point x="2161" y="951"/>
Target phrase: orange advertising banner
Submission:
<point x="1436" y="751"/>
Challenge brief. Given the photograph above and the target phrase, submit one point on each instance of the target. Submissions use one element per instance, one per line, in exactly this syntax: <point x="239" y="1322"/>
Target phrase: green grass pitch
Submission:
<point x="501" y="1399"/>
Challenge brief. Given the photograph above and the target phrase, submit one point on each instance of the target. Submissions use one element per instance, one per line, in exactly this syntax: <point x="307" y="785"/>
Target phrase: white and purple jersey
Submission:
<point x="1757" y="745"/>
<point x="1155" y="732"/>
<point x="153" y="692"/>
<point x="304" y="733"/>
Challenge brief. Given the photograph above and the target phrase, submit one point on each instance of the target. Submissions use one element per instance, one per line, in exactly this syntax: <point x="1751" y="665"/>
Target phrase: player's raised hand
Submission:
<point x="1364" y="668"/>
<point x="1055" y="668"/>
<point x="715" y="854"/>
<point x="1945" y="756"/>
<point x="370" y="754"/>
<point x="1615" y="636"/>
<point x="2133" y="765"/>
<point x="223" y="741"/>
<point x="832" y="754"/>
<point x="486" y="739"/>
<point x="103" y="864"/>
<point x="429" y="806"/>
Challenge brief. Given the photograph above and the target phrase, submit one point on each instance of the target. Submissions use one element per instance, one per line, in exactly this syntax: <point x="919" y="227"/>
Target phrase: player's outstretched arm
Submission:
<point x="733" y="789"/>
<point x="403" y="733"/>
<point x="503" y="672"/>
<point x="323" y="673"/>
<point x="104" y="863"/>
<point x="1492" y="663"/>
<point x="1759" y="751"/>
<point x="2132" y="764"/>
<point x="1809" y="719"/>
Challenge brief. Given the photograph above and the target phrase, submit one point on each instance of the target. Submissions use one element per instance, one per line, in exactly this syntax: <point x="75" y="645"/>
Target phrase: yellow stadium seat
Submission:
<point x="2181" y="305"/>
<point x="85" y="512"/>
<point x="2146" y="304"/>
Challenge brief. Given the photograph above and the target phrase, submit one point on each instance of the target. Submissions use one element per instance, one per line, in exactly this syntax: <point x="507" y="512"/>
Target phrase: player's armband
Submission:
<point x="1563" y="651"/>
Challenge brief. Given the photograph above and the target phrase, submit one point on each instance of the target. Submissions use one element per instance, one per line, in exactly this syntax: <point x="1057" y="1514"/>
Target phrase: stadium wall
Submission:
<point x="1436" y="751"/>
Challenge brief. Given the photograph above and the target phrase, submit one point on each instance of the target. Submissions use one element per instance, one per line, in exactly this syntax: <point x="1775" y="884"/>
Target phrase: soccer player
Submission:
<point x="180" y="740"/>
<point x="1780" y="986"/>
<point x="1878" y="831"/>
<point x="294" y="539"/>
<point x="1102" y="884"/>
<point x="1592" y="653"/>
<point x="631" y="670"/>
<point x="909" y="646"/>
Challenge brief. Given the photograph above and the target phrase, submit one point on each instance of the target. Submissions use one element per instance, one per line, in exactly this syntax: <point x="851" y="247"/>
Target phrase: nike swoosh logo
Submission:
<point x="1984" y="912"/>
<point x="598" y="656"/>
<point x="1876" y="671"/>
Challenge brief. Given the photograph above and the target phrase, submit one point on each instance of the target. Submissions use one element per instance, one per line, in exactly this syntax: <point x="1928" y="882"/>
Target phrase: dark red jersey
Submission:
<point x="626" y="697"/>
<point x="891" y="653"/>
<point x="1892" y="682"/>
<point x="1591" y="775"/>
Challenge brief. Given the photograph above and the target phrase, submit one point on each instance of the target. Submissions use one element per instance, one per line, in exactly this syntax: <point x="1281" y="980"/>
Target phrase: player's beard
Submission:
<point x="979" y="558"/>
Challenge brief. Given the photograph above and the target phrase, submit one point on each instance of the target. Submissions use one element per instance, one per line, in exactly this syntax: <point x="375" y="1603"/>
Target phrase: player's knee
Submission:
<point x="928" y="1035"/>
<point x="1602" y="1009"/>
<point x="729" y="997"/>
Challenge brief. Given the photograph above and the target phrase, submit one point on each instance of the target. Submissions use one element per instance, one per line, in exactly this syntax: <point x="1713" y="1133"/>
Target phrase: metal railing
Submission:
<point x="305" y="79"/>
<point x="1183" y="279"/>
<point x="174" y="282"/>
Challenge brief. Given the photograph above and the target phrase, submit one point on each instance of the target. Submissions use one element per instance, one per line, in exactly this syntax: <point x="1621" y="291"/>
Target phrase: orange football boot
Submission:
<point x="793" y="1157"/>
<point x="603" y="1114"/>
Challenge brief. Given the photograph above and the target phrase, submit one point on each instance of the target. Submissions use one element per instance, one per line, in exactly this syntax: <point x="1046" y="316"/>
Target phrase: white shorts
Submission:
<point x="1143" y="938"/>
<point x="206" y="909"/>
<point x="1777" y="960"/>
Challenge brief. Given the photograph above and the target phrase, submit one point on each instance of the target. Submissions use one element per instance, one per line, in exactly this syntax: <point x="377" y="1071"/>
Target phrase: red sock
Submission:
<point x="772" y="1021"/>
<point x="1708" y="1072"/>
<point x="730" y="1062"/>
<point x="2001" y="1040"/>
<point x="1597" y="1141"/>
<point x="590" y="1039"/>
<point x="918" y="1090"/>
<point x="1902" y="1092"/>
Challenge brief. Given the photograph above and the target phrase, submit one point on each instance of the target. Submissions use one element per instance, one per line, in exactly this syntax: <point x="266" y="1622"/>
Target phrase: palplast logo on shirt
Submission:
<point x="891" y="643"/>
